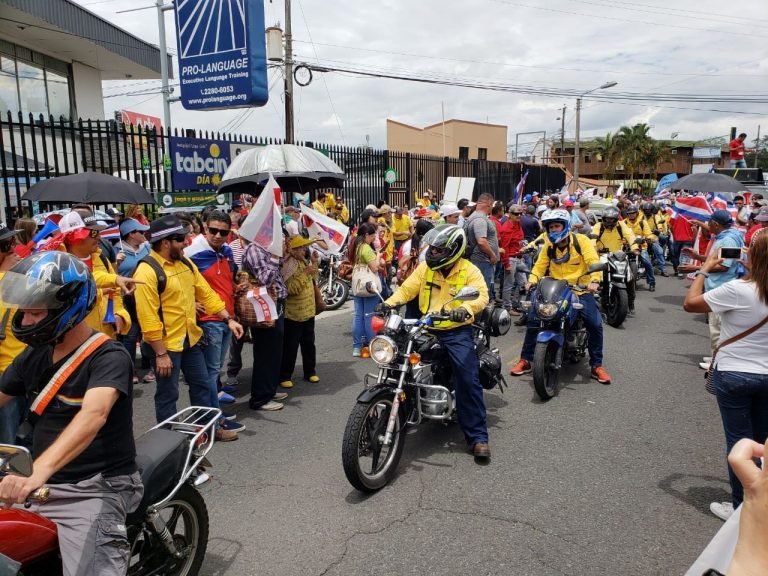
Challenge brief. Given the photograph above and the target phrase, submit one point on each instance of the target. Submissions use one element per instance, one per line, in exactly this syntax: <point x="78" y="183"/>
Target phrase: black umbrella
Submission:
<point x="708" y="182"/>
<point x="89" y="188"/>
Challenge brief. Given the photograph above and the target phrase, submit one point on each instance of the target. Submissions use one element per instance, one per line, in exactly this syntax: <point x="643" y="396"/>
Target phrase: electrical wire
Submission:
<point x="680" y="11"/>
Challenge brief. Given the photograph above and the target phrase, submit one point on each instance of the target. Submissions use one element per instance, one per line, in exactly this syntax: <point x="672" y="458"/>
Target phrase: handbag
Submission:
<point x="319" y="302"/>
<point x="709" y="385"/>
<point x="244" y="310"/>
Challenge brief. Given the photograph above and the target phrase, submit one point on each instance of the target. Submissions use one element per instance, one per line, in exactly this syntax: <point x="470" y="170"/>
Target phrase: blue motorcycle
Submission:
<point x="562" y="333"/>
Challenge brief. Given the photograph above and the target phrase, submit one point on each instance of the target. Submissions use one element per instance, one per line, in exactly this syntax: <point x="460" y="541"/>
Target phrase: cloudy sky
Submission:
<point x="700" y="47"/>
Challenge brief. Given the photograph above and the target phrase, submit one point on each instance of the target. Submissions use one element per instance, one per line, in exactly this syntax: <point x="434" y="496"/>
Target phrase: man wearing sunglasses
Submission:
<point x="10" y="414"/>
<point x="215" y="261"/>
<point x="168" y="320"/>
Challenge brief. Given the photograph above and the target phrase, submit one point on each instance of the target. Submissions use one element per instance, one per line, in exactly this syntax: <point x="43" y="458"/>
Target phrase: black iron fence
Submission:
<point x="37" y="148"/>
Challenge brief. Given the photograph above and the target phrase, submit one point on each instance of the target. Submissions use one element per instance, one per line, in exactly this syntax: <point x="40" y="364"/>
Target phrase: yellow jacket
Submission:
<point x="318" y="206"/>
<point x="463" y="273"/>
<point x="10" y="347"/>
<point x="105" y="277"/>
<point x="300" y="304"/>
<point x="387" y="241"/>
<point x="640" y="228"/>
<point x="611" y="239"/>
<point x="343" y="215"/>
<point x="575" y="270"/>
<point x="183" y="287"/>
<point x="401" y="227"/>
<point x="659" y="222"/>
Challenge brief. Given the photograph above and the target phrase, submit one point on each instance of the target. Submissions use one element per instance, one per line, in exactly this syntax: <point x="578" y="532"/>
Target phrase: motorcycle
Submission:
<point x="562" y="333"/>
<point x="613" y="293"/>
<point x="168" y="532"/>
<point x="413" y="384"/>
<point x="333" y="289"/>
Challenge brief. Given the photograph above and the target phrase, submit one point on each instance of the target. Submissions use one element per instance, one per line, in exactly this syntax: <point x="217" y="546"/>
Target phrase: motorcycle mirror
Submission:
<point x="15" y="460"/>
<point x="467" y="293"/>
<point x="597" y="267"/>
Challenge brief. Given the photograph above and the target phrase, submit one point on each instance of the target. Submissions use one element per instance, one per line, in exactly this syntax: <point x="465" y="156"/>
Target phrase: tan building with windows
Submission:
<point x="461" y="139"/>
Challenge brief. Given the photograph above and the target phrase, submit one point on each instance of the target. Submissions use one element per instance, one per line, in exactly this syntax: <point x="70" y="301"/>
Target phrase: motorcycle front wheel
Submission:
<point x="616" y="307"/>
<point x="368" y="464"/>
<point x="186" y="517"/>
<point x="334" y="294"/>
<point x="545" y="372"/>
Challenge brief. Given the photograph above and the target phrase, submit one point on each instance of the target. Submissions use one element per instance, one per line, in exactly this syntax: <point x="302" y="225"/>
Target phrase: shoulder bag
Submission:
<point x="361" y="275"/>
<point x="709" y="385"/>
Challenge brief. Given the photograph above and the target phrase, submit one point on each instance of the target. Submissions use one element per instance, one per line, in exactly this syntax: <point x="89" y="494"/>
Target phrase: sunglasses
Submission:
<point x="220" y="232"/>
<point x="177" y="238"/>
<point x="516" y="213"/>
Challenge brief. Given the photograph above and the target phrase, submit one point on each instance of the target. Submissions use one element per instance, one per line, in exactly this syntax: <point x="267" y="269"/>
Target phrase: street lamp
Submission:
<point x="578" y="127"/>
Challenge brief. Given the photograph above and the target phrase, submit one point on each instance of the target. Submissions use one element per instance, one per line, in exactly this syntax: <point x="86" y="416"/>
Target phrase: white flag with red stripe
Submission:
<point x="262" y="225"/>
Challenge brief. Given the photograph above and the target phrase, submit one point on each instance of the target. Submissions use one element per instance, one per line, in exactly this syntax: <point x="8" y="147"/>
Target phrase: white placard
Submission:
<point x="457" y="188"/>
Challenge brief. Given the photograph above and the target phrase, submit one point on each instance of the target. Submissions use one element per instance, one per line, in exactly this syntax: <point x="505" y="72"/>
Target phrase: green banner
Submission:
<point x="193" y="200"/>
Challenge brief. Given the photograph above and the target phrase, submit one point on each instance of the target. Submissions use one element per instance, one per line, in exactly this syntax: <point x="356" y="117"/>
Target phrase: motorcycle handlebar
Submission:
<point x="40" y="495"/>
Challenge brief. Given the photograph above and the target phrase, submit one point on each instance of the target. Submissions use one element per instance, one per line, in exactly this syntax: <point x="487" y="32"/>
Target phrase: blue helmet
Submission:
<point x="53" y="281"/>
<point x="561" y="216"/>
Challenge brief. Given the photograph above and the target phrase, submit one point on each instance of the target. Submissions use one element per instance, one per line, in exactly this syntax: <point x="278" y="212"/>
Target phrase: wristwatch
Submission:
<point x="700" y="273"/>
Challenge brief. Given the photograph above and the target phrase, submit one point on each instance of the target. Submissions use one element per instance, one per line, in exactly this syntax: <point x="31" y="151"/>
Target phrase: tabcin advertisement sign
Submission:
<point x="198" y="163"/>
<point x="222" y="54"/>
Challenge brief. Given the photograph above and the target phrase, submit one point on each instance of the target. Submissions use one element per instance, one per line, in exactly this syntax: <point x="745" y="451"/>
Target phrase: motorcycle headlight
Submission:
<point x="383" y="350"/>
<point x="547" y="311"/>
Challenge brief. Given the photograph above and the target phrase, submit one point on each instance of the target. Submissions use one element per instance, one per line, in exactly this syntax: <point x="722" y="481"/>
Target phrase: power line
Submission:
<point x="685" y="11"/>
<point x="609" y="4"/>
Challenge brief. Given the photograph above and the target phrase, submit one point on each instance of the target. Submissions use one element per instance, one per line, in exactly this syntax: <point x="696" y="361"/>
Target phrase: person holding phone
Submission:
<point x="720" y="225"/>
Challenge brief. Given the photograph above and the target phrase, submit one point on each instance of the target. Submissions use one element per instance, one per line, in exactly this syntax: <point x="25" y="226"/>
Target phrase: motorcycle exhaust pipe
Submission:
<point x="163" y="533"/>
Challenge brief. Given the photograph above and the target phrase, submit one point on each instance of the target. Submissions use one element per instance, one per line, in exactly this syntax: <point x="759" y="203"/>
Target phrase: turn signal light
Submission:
<point x="377" y="323"/>
<point x="414" y="358"/>
<point x="365" y="352"/>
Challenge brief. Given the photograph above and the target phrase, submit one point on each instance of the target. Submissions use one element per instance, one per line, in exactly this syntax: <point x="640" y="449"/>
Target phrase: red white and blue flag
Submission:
<point x="693" y="208"/>
<point x="262" y="225"/>
<point x="111" y="233"/>
<point x="521" y="188"/>
<point x="201" y="253"/>
<point x="720" y="202"/>
<point x="325" y="228"/>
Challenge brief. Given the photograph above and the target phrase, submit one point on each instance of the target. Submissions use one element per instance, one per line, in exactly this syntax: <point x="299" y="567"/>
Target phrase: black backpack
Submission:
<point x="129" y="301"/>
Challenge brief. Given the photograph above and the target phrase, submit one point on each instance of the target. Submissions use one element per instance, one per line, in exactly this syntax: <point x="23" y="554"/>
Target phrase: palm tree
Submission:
<point x="633" y="144"/>
<point x="609" y="153"/>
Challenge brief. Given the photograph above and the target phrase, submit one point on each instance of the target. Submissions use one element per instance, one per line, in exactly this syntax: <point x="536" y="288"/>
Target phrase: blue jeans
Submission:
<point x="361" y="320"/>
<point x="470" y="405"/>
<point x="486" y="269"/>
<point x="743" y="401"/>
<point x="738" y="163"/>
<point x="191" y="362"/>
<point x="514" y="279"/>
<point x="593" y="323"/>
<point x="646" y="262"/>
<point x="658" y="254"/>
<point x="217" y="336"/>
<point x="676" y="249"/>
<point x="10" y="419"/>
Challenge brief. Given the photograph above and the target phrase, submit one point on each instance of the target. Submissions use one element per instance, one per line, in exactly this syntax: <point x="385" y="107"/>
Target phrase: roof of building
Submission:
<point x="451" y="121"/>
<point x="592" y="143"/>
<point x="70" y="32"/>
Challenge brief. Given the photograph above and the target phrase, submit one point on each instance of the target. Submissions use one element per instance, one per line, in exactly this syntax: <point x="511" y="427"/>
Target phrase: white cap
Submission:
<point x="73" y="221"/>
<point x="449" y="210"/>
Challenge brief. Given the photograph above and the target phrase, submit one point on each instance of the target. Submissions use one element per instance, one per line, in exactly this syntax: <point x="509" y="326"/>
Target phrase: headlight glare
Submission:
<point x="383" y="350"/>
<point x="547" y="310"/>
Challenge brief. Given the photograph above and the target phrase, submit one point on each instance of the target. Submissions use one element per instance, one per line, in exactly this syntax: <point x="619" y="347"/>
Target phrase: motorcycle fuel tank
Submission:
<point x="25" y="536"/>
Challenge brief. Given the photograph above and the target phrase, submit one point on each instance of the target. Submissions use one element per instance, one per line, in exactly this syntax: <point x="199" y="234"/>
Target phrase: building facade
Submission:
<point x="454" y="138"/>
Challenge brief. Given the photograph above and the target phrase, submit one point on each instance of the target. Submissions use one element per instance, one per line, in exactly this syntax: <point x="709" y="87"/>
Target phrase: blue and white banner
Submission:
<point x="197" y="163"/>
<point x="222" y="53"/>
<point x="665" y="182"/>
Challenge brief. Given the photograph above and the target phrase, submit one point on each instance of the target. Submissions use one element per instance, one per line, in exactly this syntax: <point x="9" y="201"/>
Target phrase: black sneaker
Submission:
<point x="631" y="313"/>
<point x="651" y="287"/>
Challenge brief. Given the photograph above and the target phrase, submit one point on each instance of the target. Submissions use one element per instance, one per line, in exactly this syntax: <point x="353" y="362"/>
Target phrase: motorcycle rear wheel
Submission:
<point x="368" y="464"/>
<point x="616" y="307"/>
<point x="334" y="295"/>
<point x="150" y="556"/>
<point x="545" y="374"/>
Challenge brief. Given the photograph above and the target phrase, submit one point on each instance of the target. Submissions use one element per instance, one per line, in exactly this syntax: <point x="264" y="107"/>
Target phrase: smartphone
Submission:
<point x="729" y="253"/>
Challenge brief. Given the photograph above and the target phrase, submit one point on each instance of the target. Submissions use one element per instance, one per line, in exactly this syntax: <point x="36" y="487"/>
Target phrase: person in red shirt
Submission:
<point x="737" y="150"/>
<point x="759" y="228"/>
<point x="503" y="231"/>
<point x="514" y="277"/>
<point x="683" y="233"/>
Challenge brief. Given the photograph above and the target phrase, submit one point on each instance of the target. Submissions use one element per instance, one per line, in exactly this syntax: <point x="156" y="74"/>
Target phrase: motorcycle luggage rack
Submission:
<point x="198" y="423"/>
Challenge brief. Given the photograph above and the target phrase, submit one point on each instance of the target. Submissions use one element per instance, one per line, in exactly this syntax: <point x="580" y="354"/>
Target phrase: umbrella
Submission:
<point x="41" y="218"/>
<point x="296" y="169"/>
<point x="89" y="188"/>
<point x="708" y="182"/>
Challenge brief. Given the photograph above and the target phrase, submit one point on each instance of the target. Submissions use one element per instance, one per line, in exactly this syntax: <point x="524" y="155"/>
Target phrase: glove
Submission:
<point x="382" y="308"/>
<point x="459" y="315"/>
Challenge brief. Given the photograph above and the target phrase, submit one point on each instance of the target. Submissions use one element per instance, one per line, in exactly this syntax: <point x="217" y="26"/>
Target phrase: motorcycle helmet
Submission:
<point x="553" y="216"/>
<point x="53" y="281"/>
<point x="647" y="208"/>
<point x="446" y="244"/>
<point x="610" y="217"/>
<point x="630" y="210"/>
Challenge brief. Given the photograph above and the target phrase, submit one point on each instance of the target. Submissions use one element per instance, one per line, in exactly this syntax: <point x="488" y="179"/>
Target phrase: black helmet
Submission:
<point x="610" y="217"/>
<point x="53" y="281"/>
<point x="631" y="209"/>
<point x="647" y="208"/>
<point x="446" y="245"/>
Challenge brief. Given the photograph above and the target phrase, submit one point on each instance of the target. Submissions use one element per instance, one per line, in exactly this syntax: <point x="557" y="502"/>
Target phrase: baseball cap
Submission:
<point x="449" y="210"/>
<point x="168" y="225"/>
<point x="762" y="216"/>
<point x="237" y="204"/>
<point x="6" y="232"/>
<point x="568" y="202"/>
<point x="722" y="217"/>
<point x="131" y="225"/>
<point x="385" y="209"/>
<point x="114" y="212"/>
<point x="74" y="221"/>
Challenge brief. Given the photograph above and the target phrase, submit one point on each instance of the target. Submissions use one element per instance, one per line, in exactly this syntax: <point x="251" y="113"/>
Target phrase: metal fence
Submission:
<point x="37" y="148"/>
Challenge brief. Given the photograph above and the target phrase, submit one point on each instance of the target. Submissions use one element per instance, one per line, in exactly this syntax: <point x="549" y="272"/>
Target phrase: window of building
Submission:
<point x="33" y="83"/>
<point x="463" y="153"/>
<point x="482" y="153"/>
<point x="587" y="158"/>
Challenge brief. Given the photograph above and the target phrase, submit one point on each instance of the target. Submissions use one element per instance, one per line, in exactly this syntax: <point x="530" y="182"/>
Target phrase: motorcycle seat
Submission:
<point x="160" y="456"/>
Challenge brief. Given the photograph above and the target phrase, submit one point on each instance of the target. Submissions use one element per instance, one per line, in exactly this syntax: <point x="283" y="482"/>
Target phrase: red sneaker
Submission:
<point x="522" y="367"/>
<point x="599" y="374"/>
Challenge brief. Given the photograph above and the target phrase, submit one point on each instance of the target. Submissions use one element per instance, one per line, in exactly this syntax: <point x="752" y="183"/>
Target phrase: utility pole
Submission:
<point x="288" y="75"/>
<point x="165" y="89"/>
<point x="757" y="146"/>
<point x="576" y="146"/>
<point x="562" y="135"/>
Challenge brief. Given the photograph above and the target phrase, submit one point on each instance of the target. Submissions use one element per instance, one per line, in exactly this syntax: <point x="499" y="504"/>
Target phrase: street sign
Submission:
<point x="390" y="175"/>
<point x="197" y="163"/>
<point x="193" y="200"/>
<point x="222" y="54"/>
<point x="145" y="164"/>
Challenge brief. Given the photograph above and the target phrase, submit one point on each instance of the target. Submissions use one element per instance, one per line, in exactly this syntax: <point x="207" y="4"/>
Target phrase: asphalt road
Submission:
<point x="601" y="480"/>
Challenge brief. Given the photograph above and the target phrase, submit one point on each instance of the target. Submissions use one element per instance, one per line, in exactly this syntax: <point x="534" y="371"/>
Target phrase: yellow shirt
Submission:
<point x="443" y="289"/>
<point x="182" y="288"/>
<point x="401" y="227"/>
<point x="659" y="222"/>
<point x="105" y="283"/>
<point x="343" y="214"/>
<point x="318" y="206"/>
<point x="387" y="241"/>
<point x="10" y="347"/>
<point x="611" y="239"/>
<point x="574" y="270"/>
<point x="640" y="228"/>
